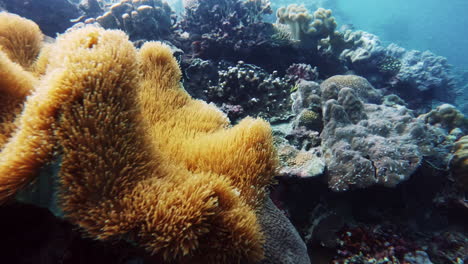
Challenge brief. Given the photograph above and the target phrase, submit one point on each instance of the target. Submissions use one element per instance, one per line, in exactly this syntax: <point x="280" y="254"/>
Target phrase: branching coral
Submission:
<point x="141" y="160"/>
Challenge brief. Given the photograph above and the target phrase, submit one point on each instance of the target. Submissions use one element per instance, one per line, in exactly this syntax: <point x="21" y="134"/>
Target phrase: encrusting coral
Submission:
<point x="140" y="159"/>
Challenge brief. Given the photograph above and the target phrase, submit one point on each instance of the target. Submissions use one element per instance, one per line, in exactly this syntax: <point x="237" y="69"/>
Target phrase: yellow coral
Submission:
<point x="20" y="39"/>
<point x="20" y="42"/>
<point x="459" y="162"/>
<point x="141" y="160"/>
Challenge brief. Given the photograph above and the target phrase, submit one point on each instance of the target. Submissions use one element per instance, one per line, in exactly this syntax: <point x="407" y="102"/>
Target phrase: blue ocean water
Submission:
<point x="438" y="26"/>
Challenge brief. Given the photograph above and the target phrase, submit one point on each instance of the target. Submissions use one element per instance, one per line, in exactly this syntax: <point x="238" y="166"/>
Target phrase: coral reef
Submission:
<point x="304" y="27"/>
<point x="58" y="18"/>
<point x="423" y="70"/>
<point x="447" y="117"/>
<point x="459" y="162"/>
<point x="310" y="120"/>
<point x="360" y="86"/>
<point x="359" y="48"/>
<point x="255" y="90"/>
<point x="422" y="73"/>
<point x="377" y="245"/>
<point x="421" y="78"/>
<point x="21" y="39"/>
<point x="299" y="163"/>
<point x="223" y="29"/>
<point x="91" y="8"/>
<point x="301" y="71"/>
<point x="306" y="96"/>
<point x="366" y="144"/>
<point x="461" y="86"/>
<point x="141" y="20"/>
<point x="122" y="173"/>
<point x="366" y="154"/>
<point x="284" y="245"/>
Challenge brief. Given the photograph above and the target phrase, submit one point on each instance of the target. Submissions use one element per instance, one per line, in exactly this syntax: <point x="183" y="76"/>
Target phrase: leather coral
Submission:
<point x="22" y="152"/>
<point x="140" y="159"/>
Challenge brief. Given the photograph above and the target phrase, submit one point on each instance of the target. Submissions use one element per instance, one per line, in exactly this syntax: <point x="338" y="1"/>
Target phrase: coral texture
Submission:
<point x="304" y="27"/>
<point x="258" y="92"/>
<point x="284" y="245"/>
<point x="20" y="42"/>
<point x="140" y="159"/>
<point x="423" y="70"/>
<point x="459" y="162"/>
<point x="361" y="87"/>
<point x="447" y="117"/>
<point x="361" y="44"/>
<point x="20" y="39"/>
<point x="221" y="29"/>
<point x="140" y="19"/>
<point x="366" y="143"/>
<point x="301" y="71"/>
<point x="306" y="96"/>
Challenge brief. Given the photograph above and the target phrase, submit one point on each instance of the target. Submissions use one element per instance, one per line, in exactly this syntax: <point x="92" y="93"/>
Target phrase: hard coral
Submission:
<point x="459" y="162"/>
<point x="361" y="87"/>
<point x="257" y="91"/>
<point x="366" y="144"/>
<point x="446" y="116"/>
<point x="141" y="160"/>
<point x="228" y="29"/>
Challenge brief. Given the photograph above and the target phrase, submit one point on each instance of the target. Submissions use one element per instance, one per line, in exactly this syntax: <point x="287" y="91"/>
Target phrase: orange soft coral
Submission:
<point x="20" y="42"/>
<point x="20" y="39"/>
<point x="141" y="160"/>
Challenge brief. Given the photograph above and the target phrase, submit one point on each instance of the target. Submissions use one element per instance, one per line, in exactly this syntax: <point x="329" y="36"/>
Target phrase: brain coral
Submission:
<point x="140" y="159"/>
<point x="361" y="87"/>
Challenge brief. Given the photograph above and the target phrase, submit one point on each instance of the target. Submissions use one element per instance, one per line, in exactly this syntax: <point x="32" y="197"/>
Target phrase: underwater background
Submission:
<point x="234" y="131"/>
<point x="421" y="25"/>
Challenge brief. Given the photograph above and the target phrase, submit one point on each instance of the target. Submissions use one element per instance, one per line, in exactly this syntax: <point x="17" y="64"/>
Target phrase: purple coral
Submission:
<point x="302" y="71"/>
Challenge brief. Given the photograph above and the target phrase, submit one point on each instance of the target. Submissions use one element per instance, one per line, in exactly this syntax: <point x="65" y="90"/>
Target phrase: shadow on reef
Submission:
<point x="34" y="235"/>
<point x="427" y="214"/>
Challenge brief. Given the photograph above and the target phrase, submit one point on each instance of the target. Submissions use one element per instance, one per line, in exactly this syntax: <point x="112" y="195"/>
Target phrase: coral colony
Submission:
<point x="216" y="136"/>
